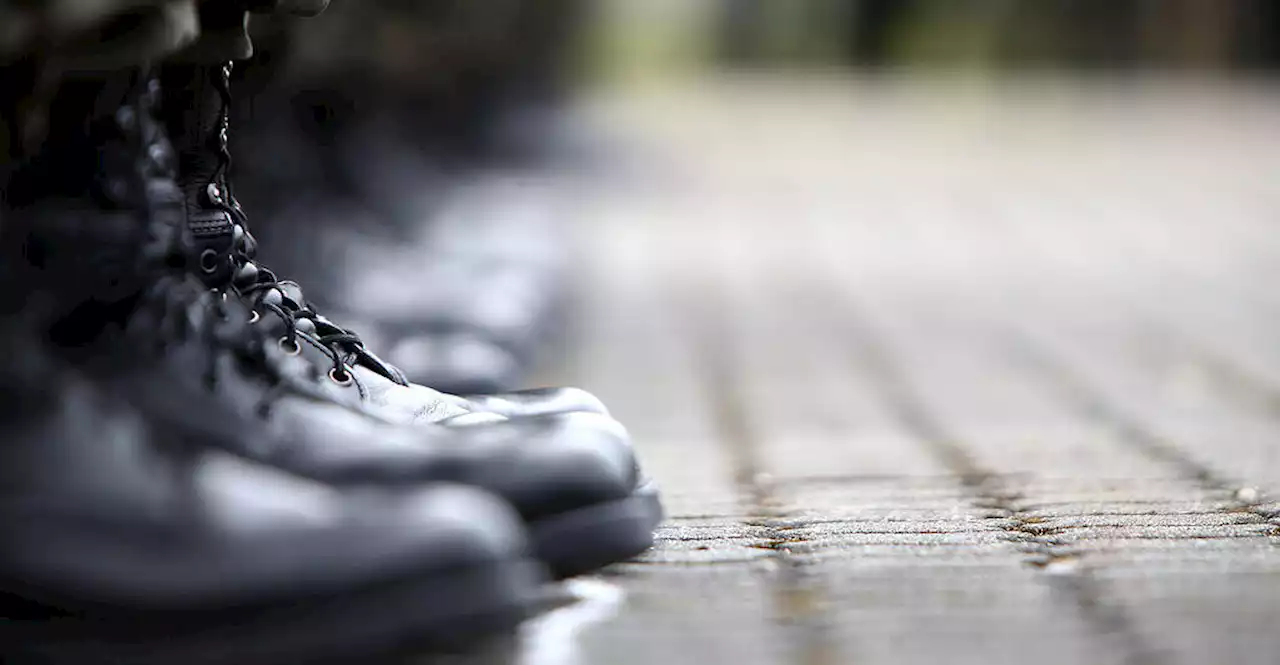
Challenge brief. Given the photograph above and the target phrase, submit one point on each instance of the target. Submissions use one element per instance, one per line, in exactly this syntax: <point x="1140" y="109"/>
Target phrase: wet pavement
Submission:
<point x="942" y="371"/>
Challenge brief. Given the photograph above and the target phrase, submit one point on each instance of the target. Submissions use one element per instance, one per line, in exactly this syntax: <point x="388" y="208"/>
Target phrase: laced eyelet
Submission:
<point x="290" y="346"/>
<point x="342" y="378"/>
<point x="209" y="261"/>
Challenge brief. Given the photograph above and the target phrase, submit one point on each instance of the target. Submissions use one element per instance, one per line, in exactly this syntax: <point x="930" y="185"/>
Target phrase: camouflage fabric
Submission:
<point x="113" y="33"/>
<point x="46" y="42"/>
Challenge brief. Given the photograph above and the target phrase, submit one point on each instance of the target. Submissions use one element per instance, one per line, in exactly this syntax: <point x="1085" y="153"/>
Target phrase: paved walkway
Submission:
<point x="950" y="373"/>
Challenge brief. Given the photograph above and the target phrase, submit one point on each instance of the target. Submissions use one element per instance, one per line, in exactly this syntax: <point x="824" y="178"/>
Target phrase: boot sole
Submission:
<point x="446" y="611"/>
<point x="588" y="539"/>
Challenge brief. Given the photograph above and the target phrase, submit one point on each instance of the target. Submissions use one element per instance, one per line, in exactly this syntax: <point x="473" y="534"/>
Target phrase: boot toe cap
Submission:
<point x="577" y="460"/>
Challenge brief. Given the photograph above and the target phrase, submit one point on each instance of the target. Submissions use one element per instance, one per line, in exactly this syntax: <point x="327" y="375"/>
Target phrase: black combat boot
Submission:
<point x="132" y="529"/>
<point x="199" y="361"/>
<point x="574" y="455"/>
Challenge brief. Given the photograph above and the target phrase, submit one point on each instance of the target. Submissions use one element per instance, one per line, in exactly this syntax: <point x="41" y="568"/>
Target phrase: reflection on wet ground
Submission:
<point x="554" y="638"/>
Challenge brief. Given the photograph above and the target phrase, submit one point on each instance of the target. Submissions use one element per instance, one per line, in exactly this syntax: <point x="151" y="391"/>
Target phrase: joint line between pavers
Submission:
<point x="1237" y="497"/>
<point x="1060" y="563"/>
<point x="800" y="604"/>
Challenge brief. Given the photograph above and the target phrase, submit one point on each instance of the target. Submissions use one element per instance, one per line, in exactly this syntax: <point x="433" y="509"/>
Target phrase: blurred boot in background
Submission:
<point x="408" y="180"/>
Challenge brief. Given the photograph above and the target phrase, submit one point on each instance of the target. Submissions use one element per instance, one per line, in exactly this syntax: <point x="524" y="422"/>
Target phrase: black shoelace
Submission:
<point x="187" y="312"/>
<point x="259" y="285"/>
<point x="183" y="310"/>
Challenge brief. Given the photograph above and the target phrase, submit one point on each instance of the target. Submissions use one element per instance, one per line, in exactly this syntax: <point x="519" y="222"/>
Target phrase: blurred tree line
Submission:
<point x="1111" y="34"/>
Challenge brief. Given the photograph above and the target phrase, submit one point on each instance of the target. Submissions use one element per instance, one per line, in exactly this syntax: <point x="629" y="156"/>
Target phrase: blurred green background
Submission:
<point x="661" y="37"/>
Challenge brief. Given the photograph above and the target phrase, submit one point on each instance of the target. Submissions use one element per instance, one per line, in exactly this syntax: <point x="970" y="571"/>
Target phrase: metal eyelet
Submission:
<point x="343" y="379"/>
<point x="291" y="347"/>
<point x="209" y="261"/>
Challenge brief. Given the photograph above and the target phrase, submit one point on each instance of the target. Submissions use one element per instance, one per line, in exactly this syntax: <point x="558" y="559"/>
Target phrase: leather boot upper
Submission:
<point x="110" y="262"/>
<point x="108" y="509"/>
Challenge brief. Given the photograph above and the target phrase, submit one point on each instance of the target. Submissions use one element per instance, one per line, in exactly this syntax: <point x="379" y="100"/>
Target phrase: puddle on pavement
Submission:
<point x="555" y="637"/>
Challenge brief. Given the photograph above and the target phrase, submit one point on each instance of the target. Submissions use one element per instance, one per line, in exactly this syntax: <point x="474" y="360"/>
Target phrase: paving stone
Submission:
<point x="693" y="615"/>
<point x="932" y="375"/>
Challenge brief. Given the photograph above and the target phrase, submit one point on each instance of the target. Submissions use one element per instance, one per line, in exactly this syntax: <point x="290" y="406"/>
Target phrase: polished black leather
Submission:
<point x="127" y="540"/>
<point x="120" y="507"/>
<point x="103" y="511"/>
<point x="537" y="401"/>
<point x="124" y="309"/>
<point x="221" y="378"/>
